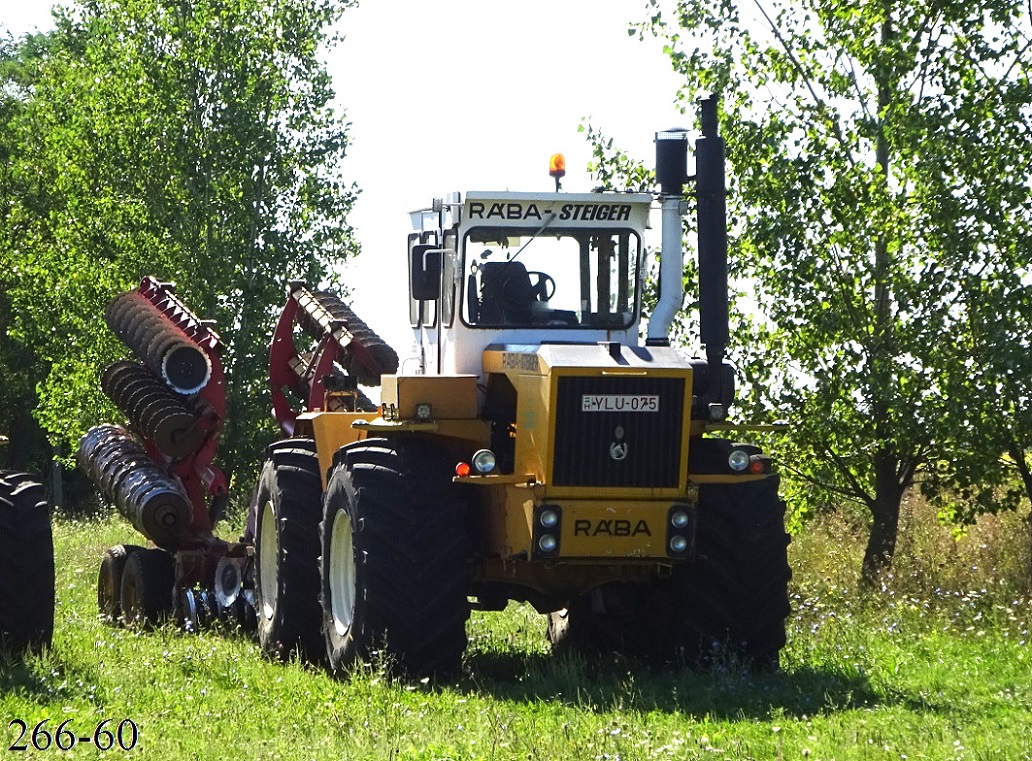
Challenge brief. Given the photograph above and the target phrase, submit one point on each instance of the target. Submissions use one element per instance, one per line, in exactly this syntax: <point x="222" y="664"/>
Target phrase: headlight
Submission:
<point x="680" y="531"/>
<point x="424" y="411"/>
<point x="548" y="518"/>
<point x="547" y="528"/>
<point x="484" y="461"/>
<point x="738" y="460"/>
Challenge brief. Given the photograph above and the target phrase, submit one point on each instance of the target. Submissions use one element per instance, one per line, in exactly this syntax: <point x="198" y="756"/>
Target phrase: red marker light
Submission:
<point x="462" y="469"/>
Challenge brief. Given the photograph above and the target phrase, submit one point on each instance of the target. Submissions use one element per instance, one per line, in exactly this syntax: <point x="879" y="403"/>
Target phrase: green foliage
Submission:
<point x="195" y="142"/>
<point x="881" y="203"/>
<point x="20" y="362"/>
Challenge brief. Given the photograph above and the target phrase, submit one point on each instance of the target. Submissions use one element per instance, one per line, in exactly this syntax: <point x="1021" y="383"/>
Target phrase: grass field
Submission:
<point x="935" y="665"/>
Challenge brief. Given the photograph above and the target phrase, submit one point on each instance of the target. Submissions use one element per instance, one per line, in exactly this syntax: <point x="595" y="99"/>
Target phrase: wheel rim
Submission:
<point x="268" y="562"/>
<point x="341" y="574"/>
<point x="189" y="603"/>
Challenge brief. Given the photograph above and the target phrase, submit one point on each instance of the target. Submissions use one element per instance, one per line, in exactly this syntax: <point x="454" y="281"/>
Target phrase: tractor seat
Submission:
<point x="506" y="294"/>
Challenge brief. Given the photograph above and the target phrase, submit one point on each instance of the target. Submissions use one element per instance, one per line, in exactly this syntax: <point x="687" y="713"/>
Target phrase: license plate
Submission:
<point x="620" y="403"/>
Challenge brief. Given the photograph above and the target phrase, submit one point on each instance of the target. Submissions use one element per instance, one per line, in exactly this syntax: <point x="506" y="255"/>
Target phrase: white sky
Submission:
<point x="457" y="95"/>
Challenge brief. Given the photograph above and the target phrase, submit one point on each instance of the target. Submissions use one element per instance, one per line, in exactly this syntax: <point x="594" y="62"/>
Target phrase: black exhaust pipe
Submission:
<point x="711" y="189"/>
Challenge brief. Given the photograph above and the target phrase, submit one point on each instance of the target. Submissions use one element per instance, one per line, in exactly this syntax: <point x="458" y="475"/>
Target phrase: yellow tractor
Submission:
<point x="533" y="449"/>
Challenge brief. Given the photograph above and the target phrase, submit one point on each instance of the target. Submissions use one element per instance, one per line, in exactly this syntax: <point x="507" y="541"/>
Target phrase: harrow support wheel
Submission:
<point x="147" y="580"/>
<point x="26" y="565"/>
<point x="394" y="559"/>
<point x="287" y="551"/>
<point x="109" y="581"/>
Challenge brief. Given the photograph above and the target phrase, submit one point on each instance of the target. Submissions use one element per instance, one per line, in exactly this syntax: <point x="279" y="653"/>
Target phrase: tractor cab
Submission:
<point x="521" y="268"/>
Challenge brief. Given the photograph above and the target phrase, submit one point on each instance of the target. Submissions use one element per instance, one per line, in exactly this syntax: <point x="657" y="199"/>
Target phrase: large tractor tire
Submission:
<point x="287" y="552"/>
<point x="395" y="559"/>
<point x="26" y="565"/>
<point x="727" y="605"/>
<point x="732" y="601"/>
<point x="148" y="577"/>
<point x="109" y="581"/>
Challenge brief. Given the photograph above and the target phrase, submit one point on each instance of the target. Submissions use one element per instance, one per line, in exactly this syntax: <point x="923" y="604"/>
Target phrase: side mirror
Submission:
<point x="425" y="272"/>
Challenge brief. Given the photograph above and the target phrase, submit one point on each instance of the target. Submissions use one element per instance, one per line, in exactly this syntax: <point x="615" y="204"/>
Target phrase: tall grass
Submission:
<point x="994" y="552"/>
<point x="934" y="664"/>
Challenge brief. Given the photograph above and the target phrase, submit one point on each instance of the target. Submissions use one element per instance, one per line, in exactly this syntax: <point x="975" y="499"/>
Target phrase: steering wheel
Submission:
<point x="544" y="286"/>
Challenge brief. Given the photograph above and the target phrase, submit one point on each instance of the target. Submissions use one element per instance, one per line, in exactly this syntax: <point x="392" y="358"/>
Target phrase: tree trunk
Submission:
<point x="885" y="507"/>
<point x="1017" y="453"/>
<point x="881" y="544"/>
<point x="1030" y="549"/>
<point x="28" y="447"/>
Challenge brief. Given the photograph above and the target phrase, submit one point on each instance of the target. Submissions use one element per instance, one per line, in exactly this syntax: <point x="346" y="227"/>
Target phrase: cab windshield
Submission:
<point x="579" y="278"/>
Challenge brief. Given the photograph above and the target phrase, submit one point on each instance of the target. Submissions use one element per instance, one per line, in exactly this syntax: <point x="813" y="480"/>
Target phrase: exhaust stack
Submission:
<point x="712" y="211"/>
<point x="672" y="174"/>
<point x="711" y="195"/>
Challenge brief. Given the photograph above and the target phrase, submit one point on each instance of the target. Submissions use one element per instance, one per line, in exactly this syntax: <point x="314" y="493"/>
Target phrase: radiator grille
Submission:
<point x="650" y="441"/>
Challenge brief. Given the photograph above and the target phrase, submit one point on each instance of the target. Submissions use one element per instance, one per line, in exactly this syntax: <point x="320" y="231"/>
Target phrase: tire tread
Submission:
<point x="26" y="564"/>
